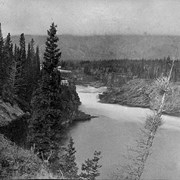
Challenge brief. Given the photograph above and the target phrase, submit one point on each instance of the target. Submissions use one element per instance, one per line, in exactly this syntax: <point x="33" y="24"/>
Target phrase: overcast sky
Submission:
<point x="84" y="17"/>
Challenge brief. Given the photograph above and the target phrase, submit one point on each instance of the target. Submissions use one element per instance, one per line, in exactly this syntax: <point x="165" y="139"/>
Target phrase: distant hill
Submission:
<point x="110" y="46"/>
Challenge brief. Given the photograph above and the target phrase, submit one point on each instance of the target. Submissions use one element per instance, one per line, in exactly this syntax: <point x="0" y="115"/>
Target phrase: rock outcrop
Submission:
<point x="9" y="112"/>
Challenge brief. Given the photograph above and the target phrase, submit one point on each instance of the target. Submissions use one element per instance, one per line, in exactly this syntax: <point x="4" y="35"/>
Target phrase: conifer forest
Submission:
<point x="89" y="90"/>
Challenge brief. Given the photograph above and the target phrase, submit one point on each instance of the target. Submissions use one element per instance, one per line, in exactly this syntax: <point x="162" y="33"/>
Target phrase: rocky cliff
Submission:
<point x="9" y="113"/>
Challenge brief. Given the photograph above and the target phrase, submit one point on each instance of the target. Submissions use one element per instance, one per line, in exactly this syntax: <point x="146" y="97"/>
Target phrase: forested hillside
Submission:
<point x="129" y="82"/>
<point x="110" y="46"/>
<point x="36" y="107"/>
<point x="116" y="72"/>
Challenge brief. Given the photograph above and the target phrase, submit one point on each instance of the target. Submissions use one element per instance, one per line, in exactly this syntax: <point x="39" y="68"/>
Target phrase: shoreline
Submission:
<point x="81" y="116"/>
<point x="173" y="114"/>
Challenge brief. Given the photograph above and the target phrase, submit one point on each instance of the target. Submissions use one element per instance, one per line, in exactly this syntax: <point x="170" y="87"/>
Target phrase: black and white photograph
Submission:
<point x="90" y="89"/>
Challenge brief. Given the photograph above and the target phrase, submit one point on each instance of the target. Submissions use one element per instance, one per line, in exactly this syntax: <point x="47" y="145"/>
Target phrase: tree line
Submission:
<point x="142" y="68"/>
<point x="19" y="70"/>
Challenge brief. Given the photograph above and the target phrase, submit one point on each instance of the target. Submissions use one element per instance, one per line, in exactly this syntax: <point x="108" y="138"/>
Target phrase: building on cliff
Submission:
<point x="66" y="76"/>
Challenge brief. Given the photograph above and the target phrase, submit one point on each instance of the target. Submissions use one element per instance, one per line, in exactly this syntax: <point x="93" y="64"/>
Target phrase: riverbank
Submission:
<point x="138" y="93"/>
<point x="14" y="147"/>
<point x="81" y="116"/>
<point x="132" y="93"/>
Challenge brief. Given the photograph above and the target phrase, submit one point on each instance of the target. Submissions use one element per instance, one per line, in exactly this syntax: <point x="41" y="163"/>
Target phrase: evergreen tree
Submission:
<point x="68" y="165"/>
<point x="9" y="75"/>
<point x="52" y="52"/>
<point x="20" y="82"/>
<point x="1" y="43"/>
<point x="8" y="52"/>
<point x="37" y="62"/>
<point x="15" y="53"/>
<point x="1" y="61"/>
<point x="32" y="67"/>
<point x="46" y="122"/>
<point x="28" y="64"/>
<point x="22" y="52"/>
<point x="29" y="74"/>
<point x="90" y="169"/>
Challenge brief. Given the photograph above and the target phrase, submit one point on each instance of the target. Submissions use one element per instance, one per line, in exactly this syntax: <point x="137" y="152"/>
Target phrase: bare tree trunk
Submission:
<point x="135" y="168"/>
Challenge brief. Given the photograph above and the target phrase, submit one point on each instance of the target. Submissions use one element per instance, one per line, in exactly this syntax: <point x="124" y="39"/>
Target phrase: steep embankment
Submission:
<point x="14" y="121"/>
<point x="71" y="102"/>
<point x="139" y="93"/>
<point x="17" y="162"/>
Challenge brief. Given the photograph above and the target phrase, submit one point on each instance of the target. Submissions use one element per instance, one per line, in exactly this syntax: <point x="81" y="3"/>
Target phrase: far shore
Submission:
<point x="99" y="85"/>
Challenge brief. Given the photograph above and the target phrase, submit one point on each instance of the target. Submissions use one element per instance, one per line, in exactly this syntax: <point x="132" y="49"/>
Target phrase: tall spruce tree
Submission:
<point x="35" y="63"/>
<point x="32" y="67"/>
<point x="29" y="73"/>
<point x="46" y="121"/>
<point x="9" y="75"/>
<point x="22" y="52"/>
<point x="21" y="83"/>
<point x="1" y="61"/>
<point x="52" y="52"/>
<point x="68" y="163"/>
<point x="8" y="53"/>
<point x="1" y="42"/>
<point x="90" y="169"/>
<point x="16" y="53"/>
<point x="38" y="63"/>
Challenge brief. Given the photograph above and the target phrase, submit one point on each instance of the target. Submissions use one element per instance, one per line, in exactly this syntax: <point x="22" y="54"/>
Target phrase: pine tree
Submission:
<point x="1" y="43"/>
<point x="8" y="53"/>
<point x="69" y="166"/>
<point x="9" y="75"/>
<point x="35" y="63"/>
<point x="21" y="83"/>
<point x="15" y="53"/>
<point x="46" y="120"/>
<point x="90" y="169"/>
<point x="29" y="74"/>
<point x="1" y="61"/>
<point x="22" y="45"/>
<point x="29" y="62"/>
<point x="32" y="67"/>
<point x="38" y="63"/>
<point x="52" y="52"/>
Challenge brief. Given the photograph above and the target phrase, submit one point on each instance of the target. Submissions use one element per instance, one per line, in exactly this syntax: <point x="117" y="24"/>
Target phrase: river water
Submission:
<point x="116" y="128"/>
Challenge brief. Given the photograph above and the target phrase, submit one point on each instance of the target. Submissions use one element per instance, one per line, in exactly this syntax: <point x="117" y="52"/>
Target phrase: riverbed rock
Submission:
<point x="81" y="116"/>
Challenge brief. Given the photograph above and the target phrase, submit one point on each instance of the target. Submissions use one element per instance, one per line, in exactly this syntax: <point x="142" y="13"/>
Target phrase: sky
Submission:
<point x="87" y="17"/>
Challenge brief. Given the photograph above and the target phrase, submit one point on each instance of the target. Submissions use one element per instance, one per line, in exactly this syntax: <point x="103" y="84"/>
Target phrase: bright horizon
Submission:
<point x="91" y="17"/>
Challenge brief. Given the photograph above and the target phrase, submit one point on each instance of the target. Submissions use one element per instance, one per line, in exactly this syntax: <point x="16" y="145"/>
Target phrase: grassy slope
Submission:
<point x="18" y="163"/>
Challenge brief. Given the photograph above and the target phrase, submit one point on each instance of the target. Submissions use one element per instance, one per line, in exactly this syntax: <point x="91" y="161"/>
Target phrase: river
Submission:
<point x="116" y="128"/>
